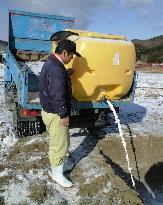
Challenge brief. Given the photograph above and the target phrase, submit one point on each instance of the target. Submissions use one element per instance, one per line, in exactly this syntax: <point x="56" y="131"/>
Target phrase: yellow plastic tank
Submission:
<point x="106" y="67"/>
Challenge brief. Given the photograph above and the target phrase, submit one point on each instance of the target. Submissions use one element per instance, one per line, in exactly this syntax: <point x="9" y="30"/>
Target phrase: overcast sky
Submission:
<point x="135" y="19"/>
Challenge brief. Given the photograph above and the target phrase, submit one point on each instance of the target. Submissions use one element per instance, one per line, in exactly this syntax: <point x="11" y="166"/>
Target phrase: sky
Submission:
<point x="135" y="19"/>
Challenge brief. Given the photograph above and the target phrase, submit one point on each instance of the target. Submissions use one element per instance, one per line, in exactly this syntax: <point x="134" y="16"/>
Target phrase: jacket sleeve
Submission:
<point x="57" y="93"/>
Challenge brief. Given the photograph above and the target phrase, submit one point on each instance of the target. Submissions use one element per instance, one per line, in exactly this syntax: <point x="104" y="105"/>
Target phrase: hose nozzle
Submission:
<point x="103" y="98"/>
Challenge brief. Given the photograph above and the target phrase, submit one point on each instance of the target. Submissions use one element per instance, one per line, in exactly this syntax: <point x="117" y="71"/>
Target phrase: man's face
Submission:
<point x="67" y="57"/>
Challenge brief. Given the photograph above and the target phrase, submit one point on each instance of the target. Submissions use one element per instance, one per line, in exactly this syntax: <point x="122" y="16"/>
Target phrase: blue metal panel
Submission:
<point x="81" y="105"/>
<point x="13" y="66"/>
<point x="88" y="105"/>
<point x="30" y="105"/>
<point x="31" y="45"/>
<point x="20" y="78"/>
<point x="23" y="87"/>
<point x="98" y="105"/>
<point x="41" y="15"/>
<point x="36" y="26"/>
<point x="8" y="76"/>
<point x="62" y="25"/>
<point x="32" y="31"/>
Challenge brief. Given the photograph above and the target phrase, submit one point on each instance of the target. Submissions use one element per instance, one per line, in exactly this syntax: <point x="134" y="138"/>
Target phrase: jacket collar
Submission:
<point x="54" y="58"/>
<point x="58" y="58"/>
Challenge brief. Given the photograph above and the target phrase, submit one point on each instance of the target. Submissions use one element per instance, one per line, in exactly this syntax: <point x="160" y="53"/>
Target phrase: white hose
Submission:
<point x="117" y="121"/>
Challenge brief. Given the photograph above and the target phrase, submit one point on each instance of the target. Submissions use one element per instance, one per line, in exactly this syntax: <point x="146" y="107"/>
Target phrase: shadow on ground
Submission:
<point x="154" y="178"/>
<point x="131" y="113"/>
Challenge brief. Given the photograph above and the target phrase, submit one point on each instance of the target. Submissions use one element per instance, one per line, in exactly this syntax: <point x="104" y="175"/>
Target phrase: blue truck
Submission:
<point x="29" y="40"/>
<point x="29" y="43"/>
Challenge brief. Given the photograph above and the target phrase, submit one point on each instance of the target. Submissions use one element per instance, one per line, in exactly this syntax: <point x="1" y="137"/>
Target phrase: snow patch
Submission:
<point x="17" y="193"/>
<point x="4" y="173"/>
<point x="35" y="139"/>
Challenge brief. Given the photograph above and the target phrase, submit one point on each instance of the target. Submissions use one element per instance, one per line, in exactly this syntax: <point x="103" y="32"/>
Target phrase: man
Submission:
<point x="55" y="97"/>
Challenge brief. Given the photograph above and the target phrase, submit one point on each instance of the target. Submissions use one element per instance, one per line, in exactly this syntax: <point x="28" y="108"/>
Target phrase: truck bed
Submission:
<point x="34" y="69"/>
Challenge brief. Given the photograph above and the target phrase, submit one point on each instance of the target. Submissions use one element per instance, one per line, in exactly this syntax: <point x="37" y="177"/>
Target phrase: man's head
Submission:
<point x="66" y="49"/>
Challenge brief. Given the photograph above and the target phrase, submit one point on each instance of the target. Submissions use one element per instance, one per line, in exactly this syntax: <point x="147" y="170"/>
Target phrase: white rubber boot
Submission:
<point x="57" y="175"/>
<point x="68" y="165"/>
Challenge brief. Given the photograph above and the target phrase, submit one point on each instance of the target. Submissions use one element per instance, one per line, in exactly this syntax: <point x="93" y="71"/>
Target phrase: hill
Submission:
<point x="147" y="51"/>
<point x="150" y="50"/>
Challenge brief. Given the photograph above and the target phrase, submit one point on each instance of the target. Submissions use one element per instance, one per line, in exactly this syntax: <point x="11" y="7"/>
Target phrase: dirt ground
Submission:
<point x="100" y="176"/>
<point x="151" y="68"/>
<point x="108" y="183"/>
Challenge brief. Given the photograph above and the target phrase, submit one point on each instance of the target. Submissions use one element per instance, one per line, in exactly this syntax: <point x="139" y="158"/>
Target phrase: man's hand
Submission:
<point x="65" y="121"/>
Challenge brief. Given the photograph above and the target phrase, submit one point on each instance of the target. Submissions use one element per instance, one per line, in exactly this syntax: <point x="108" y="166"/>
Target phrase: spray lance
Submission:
<point x="117" y="121"/>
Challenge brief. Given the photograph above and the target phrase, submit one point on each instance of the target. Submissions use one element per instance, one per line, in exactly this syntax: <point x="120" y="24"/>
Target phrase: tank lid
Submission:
<point x="83" y="33"/>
